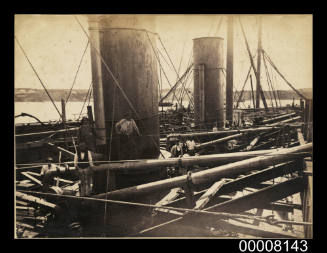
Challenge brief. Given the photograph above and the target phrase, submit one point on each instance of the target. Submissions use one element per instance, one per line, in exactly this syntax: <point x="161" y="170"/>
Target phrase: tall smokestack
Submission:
<point x="126" y="44"/>
<point x="208" y="81"/>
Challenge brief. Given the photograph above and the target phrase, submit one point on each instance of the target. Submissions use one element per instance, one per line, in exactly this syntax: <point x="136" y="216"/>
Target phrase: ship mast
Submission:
<point x="259" y="64"/>
<point x="229" y="71"/>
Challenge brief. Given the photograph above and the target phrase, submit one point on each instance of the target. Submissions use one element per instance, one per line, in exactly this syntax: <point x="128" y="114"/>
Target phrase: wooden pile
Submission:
<point x="32" y="213"/>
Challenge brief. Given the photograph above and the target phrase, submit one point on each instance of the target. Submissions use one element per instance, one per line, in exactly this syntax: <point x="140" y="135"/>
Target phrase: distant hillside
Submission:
<point x="283" y="94"/>
<point x="38" y="95"/>
<point x="78" y="95"/>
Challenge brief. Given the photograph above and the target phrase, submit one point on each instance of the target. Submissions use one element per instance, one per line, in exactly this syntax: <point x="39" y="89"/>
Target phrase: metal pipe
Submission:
<point x="156" y="164"/>
<point x="97" y="79"/>
<point x="209" y="143"/>
<point x="279" y="117"/>
<point x="286" y="121"/>
<point x="205" y="160"/>
<point x="199" y="134"/>
<point x="213" y="174"/>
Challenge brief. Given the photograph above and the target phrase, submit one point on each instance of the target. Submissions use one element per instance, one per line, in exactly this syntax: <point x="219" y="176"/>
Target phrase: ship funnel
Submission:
<point x="126" y="44"/>
<point x="208" y="81"/>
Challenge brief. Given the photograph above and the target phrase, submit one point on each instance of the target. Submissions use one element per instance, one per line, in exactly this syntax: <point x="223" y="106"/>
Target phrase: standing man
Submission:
<point x="82" y="160"/>
<point x="83" y="157"/>
<point x="46" y="176"/>
<point x="127" y="131"/>
<point x="87" y="134"/>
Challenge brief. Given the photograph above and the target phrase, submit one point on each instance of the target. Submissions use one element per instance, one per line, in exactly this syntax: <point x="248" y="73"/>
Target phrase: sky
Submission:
<point x="55" y="43"/>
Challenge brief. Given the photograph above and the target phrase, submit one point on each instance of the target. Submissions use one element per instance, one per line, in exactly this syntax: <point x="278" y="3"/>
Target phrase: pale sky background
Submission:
<point x="55" y="43"/>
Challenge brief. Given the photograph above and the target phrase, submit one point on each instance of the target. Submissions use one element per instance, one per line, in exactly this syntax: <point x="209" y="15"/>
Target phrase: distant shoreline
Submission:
<point x="78" y="95"/>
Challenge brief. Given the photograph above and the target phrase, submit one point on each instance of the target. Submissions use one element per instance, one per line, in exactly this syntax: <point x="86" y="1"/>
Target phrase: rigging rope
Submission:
<point x="169" y="64"/>
<point x="180" y="62"/>
<point x="154" y="51"/>
<point x="273" y="80"/>
<point x="276" y="69"/>
<point x="185" y="83"/>
<point x="241" y="94"/>
<point x="253" y="66"/>
<point x="219" y="24"/>
<point x="87" y="94"/>
<point x="23" y="114"/>
<point x="269" y="81"/>
<point x="38" y="76"/>
<point x="170" y="61"/>
<point x="269" y="219"/>
<point x="211" y="25"/>
<point x="116" y="82"/>
<point x="111" y="132"/>
<point x="79" y="65"/>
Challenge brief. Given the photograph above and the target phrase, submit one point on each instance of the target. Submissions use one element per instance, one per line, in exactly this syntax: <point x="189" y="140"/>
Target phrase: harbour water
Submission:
<point x="45" y="111"/>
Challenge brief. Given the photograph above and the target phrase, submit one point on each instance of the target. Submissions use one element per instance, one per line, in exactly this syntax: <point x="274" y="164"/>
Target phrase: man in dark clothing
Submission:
<point x="87" y="134"/>
<point x="82" y="160"/>
<point x="46" y="176"/>
<point x="177" y="149"/>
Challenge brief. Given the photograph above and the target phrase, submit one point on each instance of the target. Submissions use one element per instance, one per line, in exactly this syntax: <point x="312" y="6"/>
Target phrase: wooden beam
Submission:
<point x="247" y="229"/>
<point x="171" y="196"/>
<point x="49" y="132"/>
<point x="33" y="173"/>
<point x="209" y="194"/>
<point x="32" y="178"/>
<point x="253" y="143"/>
<point x="33" y="199"/>
<point x="308" y="199"/>
<point x="61" y="149"/>
<point x="264" y="196"/>
<point x="63" y="180"/>
<point x="300" y="137"/>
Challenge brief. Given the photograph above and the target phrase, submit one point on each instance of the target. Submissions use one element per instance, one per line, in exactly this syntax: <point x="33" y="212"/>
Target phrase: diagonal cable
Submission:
<point x="38" y="76"/>
<point x="79" y="65"/>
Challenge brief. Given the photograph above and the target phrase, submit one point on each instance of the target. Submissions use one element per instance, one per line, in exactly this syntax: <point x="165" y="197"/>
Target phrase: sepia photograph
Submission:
<point x="163" y="126"/>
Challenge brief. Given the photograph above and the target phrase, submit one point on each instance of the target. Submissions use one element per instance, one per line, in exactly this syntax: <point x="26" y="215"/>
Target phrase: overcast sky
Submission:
<point x="55" y="43"/>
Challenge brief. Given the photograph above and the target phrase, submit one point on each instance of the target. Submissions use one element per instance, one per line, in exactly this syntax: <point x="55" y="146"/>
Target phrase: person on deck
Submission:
<point x="177" y="149"/>
<point x="87" y="134"/>
<point x="190" y="144"/>
<point x="83" y="157"/>
<point x="46" y="176"/>
<point x="127" y="131"/>
<point x="82" y="160"/>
